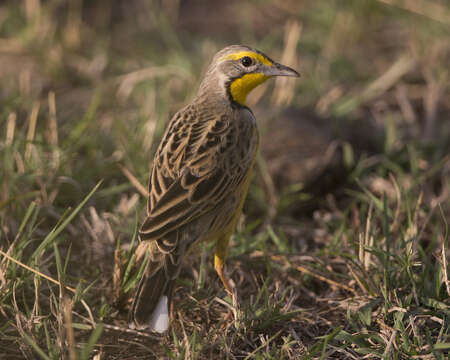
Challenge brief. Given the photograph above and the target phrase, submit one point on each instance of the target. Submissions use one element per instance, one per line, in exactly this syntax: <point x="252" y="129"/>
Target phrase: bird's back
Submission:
<point x="202" y="162"/>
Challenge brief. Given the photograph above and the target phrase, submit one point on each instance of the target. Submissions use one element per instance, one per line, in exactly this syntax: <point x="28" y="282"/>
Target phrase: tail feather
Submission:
<point x="160" y="317"/>
<point x="151" y="303"/>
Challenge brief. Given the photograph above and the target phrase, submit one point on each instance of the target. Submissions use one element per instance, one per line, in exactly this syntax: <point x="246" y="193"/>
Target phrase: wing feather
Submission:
<point x="192" y="171"/>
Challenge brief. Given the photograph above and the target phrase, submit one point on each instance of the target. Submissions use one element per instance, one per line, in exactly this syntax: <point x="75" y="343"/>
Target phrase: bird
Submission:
<point x="199" y="178"/>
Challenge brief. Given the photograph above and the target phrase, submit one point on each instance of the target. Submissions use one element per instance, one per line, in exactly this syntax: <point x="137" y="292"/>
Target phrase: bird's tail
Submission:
<point x="151" y="303"/>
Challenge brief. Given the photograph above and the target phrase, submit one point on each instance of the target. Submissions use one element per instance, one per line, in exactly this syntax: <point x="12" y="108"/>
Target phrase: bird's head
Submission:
<point x="237" y="70"/>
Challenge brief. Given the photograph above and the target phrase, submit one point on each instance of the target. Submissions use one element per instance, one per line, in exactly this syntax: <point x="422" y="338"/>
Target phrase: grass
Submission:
<point x="342" y="251"/>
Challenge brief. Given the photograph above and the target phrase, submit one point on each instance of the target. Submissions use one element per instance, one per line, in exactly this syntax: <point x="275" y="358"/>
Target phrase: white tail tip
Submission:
<point x="160" y="317"/>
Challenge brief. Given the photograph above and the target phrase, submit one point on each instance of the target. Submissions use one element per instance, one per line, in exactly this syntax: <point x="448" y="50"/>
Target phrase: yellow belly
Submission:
<point x="223" y="235"/>
<point x="223" y="232"/>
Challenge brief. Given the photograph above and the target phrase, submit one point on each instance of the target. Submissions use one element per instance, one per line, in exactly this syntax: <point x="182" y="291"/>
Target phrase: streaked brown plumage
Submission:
<point x="200" y="175"/>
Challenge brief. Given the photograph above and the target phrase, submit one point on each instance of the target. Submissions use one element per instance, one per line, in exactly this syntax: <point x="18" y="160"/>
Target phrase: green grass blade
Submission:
<point x="36" y="347"/>
<point x="95" y="335"/>
<point x="58" y="229"/>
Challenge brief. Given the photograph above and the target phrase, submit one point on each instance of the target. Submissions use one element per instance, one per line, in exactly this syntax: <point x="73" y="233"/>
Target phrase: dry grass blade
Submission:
<point x="430" y="9"/>
<point x="444" y="267"/>
<point x="324" y="103"/>
<point x="73" y="26"/>
<point x="117" y="275"/>
<point x="402" y="66"/>
<point x="398" y="196"/>
<point x="284" y="89"/>
<point x="2" y="277"/>
<point x="357" y="279"/>
<point x="19" y="162"/>
<point x="11" y="46"/>
<point x="32" y="9"/>
<point x="31" y="130"/>
<point x="19" y="324"/>
<point x="366" y="240"/>
<point x="35" y="311"/>
<point x="131" y="331"/>
<point x="128" y="82"/>
<point x="150" y="126"/>
<point x="408" y="112"/>
<point x="264" y="344"/>
<point x="35" y="271"/>
<point x="139" y="187"/>
<point x="52" y="128"/>
<point x="323" y="278"/>
<point x="388" y="348"/>
<point x="70" y="336"/>
<point x="10" y="127"/>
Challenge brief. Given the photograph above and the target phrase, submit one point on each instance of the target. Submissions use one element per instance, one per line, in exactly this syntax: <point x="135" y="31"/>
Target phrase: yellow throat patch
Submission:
<point x="242" y="86"/>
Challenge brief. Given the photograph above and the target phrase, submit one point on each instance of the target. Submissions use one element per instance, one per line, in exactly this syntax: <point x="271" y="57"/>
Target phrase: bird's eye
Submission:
<point x="246" y="61"/>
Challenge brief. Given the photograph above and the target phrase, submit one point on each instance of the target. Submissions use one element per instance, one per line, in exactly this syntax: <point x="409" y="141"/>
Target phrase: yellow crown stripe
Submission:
<point x="239" y="55"/>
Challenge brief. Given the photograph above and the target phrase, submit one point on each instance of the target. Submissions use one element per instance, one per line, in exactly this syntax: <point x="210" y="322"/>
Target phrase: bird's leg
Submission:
<point x="218" y="266"/>
<point x="219" y="261"/>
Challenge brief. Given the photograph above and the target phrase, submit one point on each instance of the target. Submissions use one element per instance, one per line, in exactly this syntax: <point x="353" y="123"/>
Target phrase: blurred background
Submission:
<point x="87" y="88"/>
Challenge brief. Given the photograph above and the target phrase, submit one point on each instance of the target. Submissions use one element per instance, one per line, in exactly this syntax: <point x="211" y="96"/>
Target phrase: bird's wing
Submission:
<point x="200" y="161"/>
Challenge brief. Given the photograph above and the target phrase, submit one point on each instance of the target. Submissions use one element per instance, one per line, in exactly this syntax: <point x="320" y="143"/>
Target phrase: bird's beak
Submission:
<point x="280" y="70"/>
